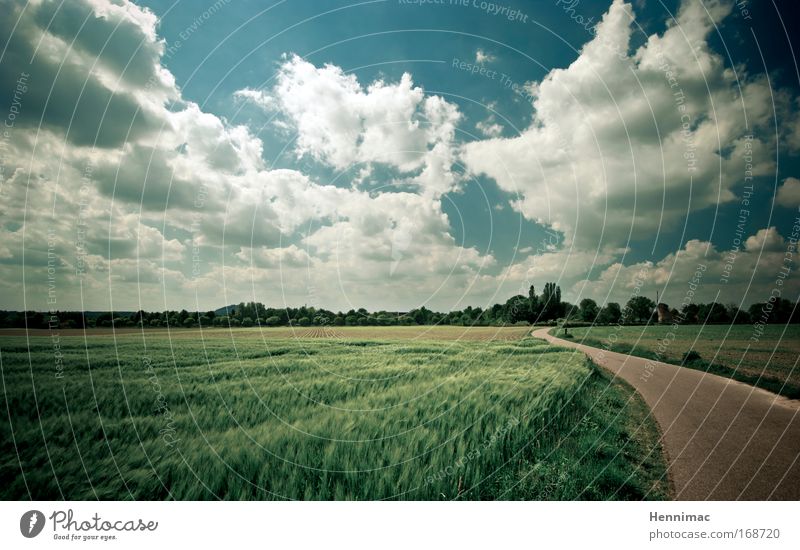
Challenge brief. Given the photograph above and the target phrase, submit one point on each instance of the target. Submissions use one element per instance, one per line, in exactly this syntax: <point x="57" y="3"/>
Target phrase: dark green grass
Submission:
<point x="318" y="419"/>
<point x="768" y="360"/>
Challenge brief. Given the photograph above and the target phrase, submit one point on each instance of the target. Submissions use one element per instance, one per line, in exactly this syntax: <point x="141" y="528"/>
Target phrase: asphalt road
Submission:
<point x="723" y="440"/>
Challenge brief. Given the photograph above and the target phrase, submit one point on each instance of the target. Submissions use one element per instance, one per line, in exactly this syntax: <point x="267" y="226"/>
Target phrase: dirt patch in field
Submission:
<point x="321" y="332"/>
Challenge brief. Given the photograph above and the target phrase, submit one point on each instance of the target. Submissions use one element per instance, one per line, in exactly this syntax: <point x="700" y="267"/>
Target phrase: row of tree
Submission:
<point x="520" y="309"/>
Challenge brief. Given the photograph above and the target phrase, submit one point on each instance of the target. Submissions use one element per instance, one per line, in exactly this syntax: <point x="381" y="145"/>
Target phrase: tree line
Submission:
<point x="545" y="308"/>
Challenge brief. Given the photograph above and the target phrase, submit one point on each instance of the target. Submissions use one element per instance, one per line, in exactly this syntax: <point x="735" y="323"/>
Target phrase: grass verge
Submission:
<point x="612" y="452"/>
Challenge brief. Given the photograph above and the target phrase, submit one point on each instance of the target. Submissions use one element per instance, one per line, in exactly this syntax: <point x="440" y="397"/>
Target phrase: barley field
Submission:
<point x="414" y="413"/>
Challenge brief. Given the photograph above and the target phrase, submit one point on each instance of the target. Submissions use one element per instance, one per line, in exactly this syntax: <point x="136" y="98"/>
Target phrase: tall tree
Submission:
<point x="610" y="314"/>
<point x="639" y="309"/>
<point x="550" y="302"/>
<point x="713" y="313"/>
<point x="516" y="309"/>
<point x="588" y="310"/>
<point x="534" y="306"/>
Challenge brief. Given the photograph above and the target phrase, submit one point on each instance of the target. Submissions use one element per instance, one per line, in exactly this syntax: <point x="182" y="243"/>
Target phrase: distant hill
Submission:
<point x="225" y="310"/>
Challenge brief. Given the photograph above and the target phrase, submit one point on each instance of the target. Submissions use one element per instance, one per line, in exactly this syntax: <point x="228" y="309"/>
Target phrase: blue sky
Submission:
<point x="424" y="40"/>
<point x="547" y="154"/>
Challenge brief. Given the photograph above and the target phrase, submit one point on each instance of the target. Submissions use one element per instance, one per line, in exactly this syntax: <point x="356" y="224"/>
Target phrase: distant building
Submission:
<point x="664" y="314"/>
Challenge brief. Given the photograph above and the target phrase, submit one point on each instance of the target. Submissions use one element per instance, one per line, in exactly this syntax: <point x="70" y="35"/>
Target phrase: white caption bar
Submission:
<point x="390" y="525"/>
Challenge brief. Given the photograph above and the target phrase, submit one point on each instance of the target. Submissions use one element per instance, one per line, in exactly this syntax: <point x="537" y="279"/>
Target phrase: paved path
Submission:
<point x="724" y="440"/>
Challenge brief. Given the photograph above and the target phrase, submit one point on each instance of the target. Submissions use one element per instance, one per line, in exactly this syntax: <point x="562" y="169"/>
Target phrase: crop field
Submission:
<point x="770" y="360"/>
<point x="414" y="332"/>
<point x="371" y="413"/>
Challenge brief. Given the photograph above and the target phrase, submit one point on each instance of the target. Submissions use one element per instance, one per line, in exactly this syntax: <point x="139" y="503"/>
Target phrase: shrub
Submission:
<point x="691" y="356"/>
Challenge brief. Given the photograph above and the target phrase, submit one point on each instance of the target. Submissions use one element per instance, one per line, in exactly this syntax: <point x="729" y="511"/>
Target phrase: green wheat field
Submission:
<point x="434" y="414"/>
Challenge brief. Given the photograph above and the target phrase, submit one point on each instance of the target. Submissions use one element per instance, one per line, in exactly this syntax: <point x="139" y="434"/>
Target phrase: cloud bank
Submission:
<point x="130" y="195"/>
